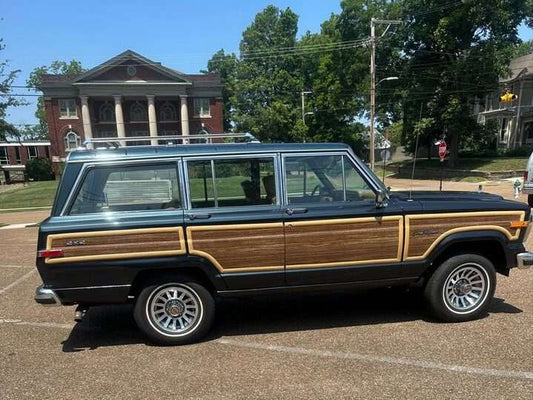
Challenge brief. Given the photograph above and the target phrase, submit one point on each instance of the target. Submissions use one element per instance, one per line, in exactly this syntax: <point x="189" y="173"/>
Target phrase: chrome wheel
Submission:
<point x="466" y="288"/>
<point x="174" y="309"/>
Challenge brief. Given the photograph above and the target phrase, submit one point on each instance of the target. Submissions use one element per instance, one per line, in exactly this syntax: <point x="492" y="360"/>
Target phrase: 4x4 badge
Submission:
<point x="76" y="242"/>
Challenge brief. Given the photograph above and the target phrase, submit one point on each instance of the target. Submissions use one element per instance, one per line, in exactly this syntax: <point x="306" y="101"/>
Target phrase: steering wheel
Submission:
<point x="317" y="187"/>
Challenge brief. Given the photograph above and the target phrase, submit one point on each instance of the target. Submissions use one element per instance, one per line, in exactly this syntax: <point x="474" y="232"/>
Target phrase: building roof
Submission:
<point x="520" y="67"/>
<point x="196" y="149"/>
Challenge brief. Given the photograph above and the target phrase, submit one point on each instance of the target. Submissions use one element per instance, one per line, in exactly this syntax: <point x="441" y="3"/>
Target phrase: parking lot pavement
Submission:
<point x="23" y="217"/>
<point x="378" y="344"/>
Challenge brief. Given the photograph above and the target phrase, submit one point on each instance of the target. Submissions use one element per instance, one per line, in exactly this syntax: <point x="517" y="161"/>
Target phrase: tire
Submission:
<point x="175" y="312"/>
<point x="461" y="288"/>
<point x="530" y="200"/>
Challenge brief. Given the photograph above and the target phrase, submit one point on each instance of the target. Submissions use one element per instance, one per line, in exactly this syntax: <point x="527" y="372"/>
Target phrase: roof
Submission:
<point x="520" y="66"/>
<point x="124" y="153"/>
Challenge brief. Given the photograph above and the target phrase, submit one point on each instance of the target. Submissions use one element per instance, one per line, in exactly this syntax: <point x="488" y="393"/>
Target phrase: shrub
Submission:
<point x="39" y="169"/>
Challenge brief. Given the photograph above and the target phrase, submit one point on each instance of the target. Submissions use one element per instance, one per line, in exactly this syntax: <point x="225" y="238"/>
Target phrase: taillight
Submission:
<point x="526" y="175"/>
<point x="50" y="253"/>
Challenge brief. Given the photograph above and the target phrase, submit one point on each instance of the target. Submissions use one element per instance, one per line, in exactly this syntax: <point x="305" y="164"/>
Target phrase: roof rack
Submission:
<point x="117" y="142"/>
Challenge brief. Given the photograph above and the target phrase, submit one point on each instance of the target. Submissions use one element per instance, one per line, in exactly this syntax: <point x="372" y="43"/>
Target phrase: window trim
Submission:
<point x="371" y="184"/>
<point x="176" y="162"/>
<point x="30" y="157"/>
<point x="69" y="115"/>
<point x="4" y="160"/>
<point x="275" y="158"/>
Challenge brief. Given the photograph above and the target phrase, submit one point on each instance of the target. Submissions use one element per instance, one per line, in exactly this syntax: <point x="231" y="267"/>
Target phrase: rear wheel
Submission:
<point x="461" y="288"/>
<point x="174" y="313"/>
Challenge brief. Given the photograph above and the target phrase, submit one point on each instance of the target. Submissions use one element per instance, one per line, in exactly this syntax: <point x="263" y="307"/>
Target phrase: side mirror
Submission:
<point x="381" y="198"/>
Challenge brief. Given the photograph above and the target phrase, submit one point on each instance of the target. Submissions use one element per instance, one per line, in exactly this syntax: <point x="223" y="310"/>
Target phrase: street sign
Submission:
<point x="442" y="150"/>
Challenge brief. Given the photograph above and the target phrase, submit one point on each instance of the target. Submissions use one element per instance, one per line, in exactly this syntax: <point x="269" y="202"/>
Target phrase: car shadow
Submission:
<point x="115" y="326"/>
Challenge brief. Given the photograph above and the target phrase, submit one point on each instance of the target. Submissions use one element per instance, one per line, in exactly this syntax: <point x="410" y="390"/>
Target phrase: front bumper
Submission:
<point x="524" y="260"/>
<point x="46" y="297"/>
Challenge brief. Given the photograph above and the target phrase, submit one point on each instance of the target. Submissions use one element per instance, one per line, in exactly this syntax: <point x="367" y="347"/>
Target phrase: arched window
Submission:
<point x="106" y="113"/>
<point x="72" y="140"/>
<point x="168" y="112"/>
<point x="138" y="112"/>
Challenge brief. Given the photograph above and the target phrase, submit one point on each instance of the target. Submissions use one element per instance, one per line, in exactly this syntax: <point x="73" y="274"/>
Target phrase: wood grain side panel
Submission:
<point x="117" y="244"/>
<point x="346" y="242"/>
<point x="239" y="248"/>
<point x="424" y="232"/>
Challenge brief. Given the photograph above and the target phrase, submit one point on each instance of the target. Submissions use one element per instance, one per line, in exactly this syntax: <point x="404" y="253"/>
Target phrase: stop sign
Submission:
<point x="442" y="150"/>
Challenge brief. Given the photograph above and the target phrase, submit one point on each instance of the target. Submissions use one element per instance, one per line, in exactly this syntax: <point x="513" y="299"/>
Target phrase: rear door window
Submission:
<point x="232" y="182"/>
<point x="128" y="188"/>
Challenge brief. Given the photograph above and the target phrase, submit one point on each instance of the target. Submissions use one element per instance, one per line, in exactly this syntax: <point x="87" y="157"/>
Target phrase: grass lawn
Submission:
<point x="35" y="194"/>
<point x="480" y="164"/>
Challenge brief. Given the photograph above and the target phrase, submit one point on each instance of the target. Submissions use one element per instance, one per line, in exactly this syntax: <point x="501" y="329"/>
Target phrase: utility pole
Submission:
<point x="303" y="105"/>
<point x="373" y="85"/>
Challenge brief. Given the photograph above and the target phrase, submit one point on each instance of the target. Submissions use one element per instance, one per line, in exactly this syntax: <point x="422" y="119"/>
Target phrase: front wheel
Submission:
<point x="175" y="313"/>
<point x="461" y="288"/>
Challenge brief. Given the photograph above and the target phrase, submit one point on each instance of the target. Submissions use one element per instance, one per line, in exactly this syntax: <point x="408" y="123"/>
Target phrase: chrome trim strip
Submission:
<point x="92" y="287"/>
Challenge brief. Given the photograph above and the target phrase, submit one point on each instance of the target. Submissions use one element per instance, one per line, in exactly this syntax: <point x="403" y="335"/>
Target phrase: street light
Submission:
<point x="372" y="116"/>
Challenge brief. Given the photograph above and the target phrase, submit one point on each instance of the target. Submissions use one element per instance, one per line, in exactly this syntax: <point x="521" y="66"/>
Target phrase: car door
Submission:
<point x="234" y="218"/>
<point x="333" y="230"/>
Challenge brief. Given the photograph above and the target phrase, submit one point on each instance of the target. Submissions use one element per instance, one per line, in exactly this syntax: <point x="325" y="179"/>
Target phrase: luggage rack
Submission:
<point x="130" y="141"/>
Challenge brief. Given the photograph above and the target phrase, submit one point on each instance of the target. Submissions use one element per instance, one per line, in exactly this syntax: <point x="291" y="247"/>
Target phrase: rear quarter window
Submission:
<point x="128" y="188"/>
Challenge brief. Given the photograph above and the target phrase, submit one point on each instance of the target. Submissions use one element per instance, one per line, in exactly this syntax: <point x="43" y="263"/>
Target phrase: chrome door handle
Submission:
<point x="291" y="211"/>
<point x="199" y="216"/>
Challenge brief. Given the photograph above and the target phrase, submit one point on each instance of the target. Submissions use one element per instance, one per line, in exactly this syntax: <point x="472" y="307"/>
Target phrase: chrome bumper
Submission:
<point x="524" y="260"/>
<point x="46" y="297"/>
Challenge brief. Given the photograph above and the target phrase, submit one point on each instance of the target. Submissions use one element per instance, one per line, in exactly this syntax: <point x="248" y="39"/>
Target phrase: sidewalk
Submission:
<point x="24" y="217"/>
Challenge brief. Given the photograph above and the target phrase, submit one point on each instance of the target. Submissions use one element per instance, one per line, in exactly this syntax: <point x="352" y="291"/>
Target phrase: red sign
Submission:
<point x="442" y="150"/>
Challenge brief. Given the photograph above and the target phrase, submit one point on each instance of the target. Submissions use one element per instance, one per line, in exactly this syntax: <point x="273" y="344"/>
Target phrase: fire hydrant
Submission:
<point x="517" y="188"/>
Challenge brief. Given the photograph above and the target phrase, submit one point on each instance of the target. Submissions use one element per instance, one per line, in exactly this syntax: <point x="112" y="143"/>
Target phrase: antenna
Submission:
<point x="415" y="154"/>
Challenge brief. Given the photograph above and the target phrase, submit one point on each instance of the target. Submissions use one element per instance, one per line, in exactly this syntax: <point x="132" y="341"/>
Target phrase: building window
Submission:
<point x="47" y="152"/>
<point x="4" y="160"/>
<point x="72" y="141"/>
<point x="138" y="112"/>
<point x="17" y="156"/>
<point x="106" y="113"/>
<point x="67" y="108"/>
<point x="201" y="107"/>
<point x="168" y="112"/>
<point x="32" y="152"/>
<point x="528" y="132"/>
<point x="503" y="131"/>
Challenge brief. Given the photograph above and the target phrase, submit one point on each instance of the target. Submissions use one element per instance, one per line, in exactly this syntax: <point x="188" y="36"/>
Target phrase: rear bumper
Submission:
<point x="46" y="297"/>
<point x="527" y="189"/>
<point x="524" y="260"/>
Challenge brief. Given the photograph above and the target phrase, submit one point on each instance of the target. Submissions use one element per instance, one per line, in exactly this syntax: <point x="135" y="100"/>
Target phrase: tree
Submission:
<point x="7" y="77"/>
<point x="69" y="69"/>
<point x="523" y="49"/>
<point x="452" y="54"/>
<point x="225" y="65"/>
<point x="268" y="85"/>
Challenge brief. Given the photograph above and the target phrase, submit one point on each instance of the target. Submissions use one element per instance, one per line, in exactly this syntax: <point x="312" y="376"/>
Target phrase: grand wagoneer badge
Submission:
<point x="76" y="242"/>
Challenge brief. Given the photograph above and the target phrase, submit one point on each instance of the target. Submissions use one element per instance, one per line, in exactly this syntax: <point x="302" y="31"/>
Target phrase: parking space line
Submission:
<point x="37" y="324"/>
<point x="381" y="359"/>
<point x="16" y="266"/>
<point x="19" y="280"/>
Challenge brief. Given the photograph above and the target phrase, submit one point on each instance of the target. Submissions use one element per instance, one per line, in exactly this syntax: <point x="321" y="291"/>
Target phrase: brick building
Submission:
<point x="129" y="96"/>
<point x="15" y="155"/>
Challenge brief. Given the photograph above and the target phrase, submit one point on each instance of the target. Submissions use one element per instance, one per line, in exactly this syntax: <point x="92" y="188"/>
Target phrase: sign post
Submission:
<point x="442" y="156"/>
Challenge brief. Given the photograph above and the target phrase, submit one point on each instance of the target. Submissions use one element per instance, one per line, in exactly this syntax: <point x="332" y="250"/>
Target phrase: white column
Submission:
<point x="86" y="117"/>
<point x="184" y="118"/>
<point x="119" y="118"/>
<point x="152" y="119"/>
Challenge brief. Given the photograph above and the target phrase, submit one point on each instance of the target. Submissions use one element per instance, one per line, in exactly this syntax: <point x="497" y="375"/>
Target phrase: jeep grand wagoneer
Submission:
<point x="168" y="228"/>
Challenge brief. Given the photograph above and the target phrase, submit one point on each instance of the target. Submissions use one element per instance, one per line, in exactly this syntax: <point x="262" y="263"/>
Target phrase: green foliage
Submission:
<point x="523" y="49"/>
<point x="7" y="77"/>
<point x="39" y="169"/>
<point x="69" y="69"/>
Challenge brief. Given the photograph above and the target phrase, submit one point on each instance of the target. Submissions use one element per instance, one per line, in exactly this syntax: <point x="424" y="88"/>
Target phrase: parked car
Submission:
<point x="528" y="181"/>
<point x="170" y="228"/>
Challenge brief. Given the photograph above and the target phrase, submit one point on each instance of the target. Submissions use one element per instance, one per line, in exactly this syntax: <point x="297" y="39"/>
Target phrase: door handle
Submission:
<point x="199" y="216"/>
<point x="301" y="210"/>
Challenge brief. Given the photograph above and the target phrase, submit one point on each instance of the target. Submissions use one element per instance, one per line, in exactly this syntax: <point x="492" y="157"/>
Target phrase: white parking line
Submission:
<point x="18" y="226"/>
<point x="381" y="359"/>
<point x="37" y="324"/>
<point x="19" y="280"/>
<point x="16" y="266"/>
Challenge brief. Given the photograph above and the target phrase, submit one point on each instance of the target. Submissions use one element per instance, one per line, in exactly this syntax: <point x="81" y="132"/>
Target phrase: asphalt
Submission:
<point x="373" y="344"/>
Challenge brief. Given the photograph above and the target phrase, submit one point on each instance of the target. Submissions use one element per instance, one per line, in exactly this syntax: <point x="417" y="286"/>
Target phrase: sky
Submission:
<point x="181" y="34"/>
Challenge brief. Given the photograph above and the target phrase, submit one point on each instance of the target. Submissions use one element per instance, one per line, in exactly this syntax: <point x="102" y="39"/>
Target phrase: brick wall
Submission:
<point x="58" y="127"/>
